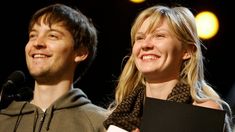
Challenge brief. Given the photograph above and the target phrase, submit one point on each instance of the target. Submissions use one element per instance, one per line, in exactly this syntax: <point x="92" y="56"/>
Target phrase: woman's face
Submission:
<point x="158" y="55"/>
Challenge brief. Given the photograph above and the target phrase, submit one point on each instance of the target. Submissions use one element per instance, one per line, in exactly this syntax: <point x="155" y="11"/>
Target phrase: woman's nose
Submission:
<point x="147" y="43"/>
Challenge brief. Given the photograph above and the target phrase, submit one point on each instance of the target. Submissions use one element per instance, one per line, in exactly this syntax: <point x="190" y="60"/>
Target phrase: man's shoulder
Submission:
<point x="93" y="108"/>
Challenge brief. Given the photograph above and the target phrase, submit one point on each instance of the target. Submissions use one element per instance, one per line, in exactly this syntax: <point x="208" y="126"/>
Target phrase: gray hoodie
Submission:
<point x="73" y="112"/>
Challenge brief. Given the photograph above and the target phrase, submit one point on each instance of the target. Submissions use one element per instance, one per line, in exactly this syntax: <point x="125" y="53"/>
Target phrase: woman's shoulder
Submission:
<point x="208" y="104"/>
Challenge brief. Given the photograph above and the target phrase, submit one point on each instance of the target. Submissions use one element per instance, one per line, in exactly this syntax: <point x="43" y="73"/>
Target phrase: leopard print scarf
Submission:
<point x="128" y="113"/>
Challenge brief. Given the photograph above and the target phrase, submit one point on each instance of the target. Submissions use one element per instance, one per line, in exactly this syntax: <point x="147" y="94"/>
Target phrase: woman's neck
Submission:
<point x="160" y="90"/>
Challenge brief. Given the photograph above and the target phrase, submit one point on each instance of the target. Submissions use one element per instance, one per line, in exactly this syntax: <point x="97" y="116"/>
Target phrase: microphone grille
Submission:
<point x="18" y="77"/>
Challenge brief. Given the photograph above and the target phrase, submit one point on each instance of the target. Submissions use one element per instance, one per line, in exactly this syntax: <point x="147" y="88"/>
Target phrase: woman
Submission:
<point x="166" y="63"/>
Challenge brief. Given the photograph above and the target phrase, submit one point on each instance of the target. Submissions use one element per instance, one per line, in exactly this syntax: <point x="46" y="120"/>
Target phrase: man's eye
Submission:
<point x="52" y="36"/>
<point x="32" y="36"/>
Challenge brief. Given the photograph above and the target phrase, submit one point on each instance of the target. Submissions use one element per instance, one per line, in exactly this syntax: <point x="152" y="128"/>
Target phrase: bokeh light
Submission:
<point x="207" y="24"/>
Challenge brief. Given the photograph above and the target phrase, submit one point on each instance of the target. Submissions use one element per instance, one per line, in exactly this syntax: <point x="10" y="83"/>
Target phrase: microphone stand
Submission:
<point x="5" y="92"/>
<point x="7" y="95"/>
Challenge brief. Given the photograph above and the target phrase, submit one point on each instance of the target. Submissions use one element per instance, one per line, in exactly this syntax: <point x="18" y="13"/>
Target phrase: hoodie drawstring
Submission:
<point x="35" y="119"/>
<point x="19" y="117"/>
<point x="50" y="117"/>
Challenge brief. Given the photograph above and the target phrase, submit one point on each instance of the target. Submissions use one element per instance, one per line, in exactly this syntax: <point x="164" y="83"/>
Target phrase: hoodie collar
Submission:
<point x="73" y="98"/>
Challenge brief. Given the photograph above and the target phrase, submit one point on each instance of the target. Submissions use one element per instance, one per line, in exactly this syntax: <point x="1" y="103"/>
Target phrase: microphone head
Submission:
<point x="17" y="77"/>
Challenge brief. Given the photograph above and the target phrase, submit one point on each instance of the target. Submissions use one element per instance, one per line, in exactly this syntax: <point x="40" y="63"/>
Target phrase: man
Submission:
<point x="61" y="39"/>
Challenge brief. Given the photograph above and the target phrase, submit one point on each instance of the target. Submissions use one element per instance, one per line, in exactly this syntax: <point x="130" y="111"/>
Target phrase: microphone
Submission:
<point x="16" y="79"/>
<point x="23" y="94"/>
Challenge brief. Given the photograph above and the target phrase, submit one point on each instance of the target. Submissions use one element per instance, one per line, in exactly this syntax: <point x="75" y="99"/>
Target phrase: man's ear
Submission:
<point x="189" y="51"/>
<point x="81" y="54"/>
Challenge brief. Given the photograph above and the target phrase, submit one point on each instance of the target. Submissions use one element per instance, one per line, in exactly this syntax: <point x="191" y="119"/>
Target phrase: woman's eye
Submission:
<point x="139" y="38"/>
<point x="159" y="35"/>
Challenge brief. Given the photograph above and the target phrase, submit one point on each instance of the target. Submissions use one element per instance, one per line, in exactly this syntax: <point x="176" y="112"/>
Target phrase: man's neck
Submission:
<point x="45" y="95"/>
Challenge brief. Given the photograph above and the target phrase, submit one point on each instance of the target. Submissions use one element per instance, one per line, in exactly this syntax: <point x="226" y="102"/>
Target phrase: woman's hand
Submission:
<point x="136" y="130"/>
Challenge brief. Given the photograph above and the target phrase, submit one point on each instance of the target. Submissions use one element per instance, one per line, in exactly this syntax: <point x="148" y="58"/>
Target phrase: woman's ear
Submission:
<point x="189" y="51"/>
<point x="81" y="54"/>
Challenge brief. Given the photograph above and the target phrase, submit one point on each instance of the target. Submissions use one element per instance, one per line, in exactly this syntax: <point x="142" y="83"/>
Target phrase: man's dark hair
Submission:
<point x="82" y="29"/>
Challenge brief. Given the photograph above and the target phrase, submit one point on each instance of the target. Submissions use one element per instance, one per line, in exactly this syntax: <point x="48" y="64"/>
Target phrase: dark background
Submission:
<point x="113" y="20"/>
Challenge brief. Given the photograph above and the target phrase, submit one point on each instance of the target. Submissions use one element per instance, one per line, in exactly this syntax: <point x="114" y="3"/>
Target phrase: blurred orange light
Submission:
<point x="137" y="1"/>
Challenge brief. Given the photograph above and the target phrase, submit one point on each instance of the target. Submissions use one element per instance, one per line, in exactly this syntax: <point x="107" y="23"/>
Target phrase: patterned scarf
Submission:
<point x="128" y="113"/>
